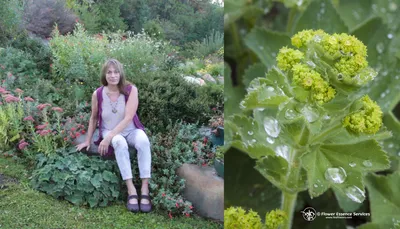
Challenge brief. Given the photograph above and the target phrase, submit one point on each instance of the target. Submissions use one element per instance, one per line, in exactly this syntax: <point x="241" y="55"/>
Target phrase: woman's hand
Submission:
<point x="83" y="145"/>
<point x="103" y="147"/>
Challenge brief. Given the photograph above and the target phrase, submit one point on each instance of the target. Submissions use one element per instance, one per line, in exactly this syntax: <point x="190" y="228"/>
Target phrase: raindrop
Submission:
<point x="310" y="114"/>
<point x="356" y="15"/>
<point x="282" y="151"/>
<point x="367" y="163"/>
<point x="335" y="175"/>
<point x="390" y="36"/>
<point x="261" y="47"/>
<point x="352" y="164"/>
<point x="250" y="132"/>
<point x="252" y="123"/>
<point x="315" y="186"/>
<point x="290" y="114"/>
<point x="398" y="153"/>
<point x="270" y="88"/>
<point x="383" y="95"/>
<point x="272" y="127"/>
<point x="327" y="117"/>
<point x="355" y="194"/>
<point x="387" y="91"/>
<point x="384" y="201"/>
<point x="270" y="140"/>
<point x="380" y="47"/>
<point x="391" y="145"/>
<point x="340" y="76"/>
<point x="311" y="64"/>
<point x="253" y="140"/>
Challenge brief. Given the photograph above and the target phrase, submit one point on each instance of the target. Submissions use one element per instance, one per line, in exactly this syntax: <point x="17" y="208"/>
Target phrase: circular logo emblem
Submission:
<point x="309" y="214"/>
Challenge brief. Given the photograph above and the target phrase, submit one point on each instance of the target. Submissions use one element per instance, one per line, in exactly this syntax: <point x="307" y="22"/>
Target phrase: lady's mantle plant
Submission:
<point x="311" y="129"/>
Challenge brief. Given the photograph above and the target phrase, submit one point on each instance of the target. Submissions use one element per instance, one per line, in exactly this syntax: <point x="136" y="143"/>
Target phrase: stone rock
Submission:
<point x="93" y="149"/>
<point x="209" y="78"/>
<point x="204" y="189"/>
<point x="194" y="80"/>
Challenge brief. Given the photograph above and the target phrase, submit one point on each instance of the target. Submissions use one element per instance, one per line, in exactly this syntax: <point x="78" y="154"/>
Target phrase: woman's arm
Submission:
<point x="93" y="119"/>
<point x="130" y="111"/>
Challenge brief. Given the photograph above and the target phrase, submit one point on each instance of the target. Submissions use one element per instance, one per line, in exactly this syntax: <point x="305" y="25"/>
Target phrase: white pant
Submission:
<point x="138" y="139"/>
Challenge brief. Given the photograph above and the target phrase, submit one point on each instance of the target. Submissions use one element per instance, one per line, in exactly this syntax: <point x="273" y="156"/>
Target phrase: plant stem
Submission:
<point x="288" y="204"/>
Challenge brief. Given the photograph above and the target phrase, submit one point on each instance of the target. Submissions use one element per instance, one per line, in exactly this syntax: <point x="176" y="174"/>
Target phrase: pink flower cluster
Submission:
<point x="10" y="98"/>
<point x="29" y="118"/>
<point x="43" y="105"/>
<point x="22" y="144"/>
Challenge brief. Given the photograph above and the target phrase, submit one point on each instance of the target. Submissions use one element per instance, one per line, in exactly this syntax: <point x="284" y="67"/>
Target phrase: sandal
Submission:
<point x="145" y="207"/>
<point x="132" y="207"/>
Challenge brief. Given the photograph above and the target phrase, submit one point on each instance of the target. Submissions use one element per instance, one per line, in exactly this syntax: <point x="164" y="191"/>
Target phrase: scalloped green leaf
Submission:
<point x="276" y="170"/>
<point x="345" y="163"/>
<point x="254" y="71"/>
<point x="385" y="201"/>
<point x="354" y="12"/>
<point x="263" y="97"/>
<point x="392" y="145"/>
<point x="266" y="44"/>
<point x="320" y="14"/>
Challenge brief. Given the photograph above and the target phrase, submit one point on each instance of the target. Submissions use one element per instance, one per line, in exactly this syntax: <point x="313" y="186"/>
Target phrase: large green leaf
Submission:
<point x="266" y="44"/>
<point x="385" y="201"/>
<point x="355" y="12"/>
<point x="320" y="15"/>
<point x="254" y="71"/>
<point x="276" y="169"/>
<point x="246" y="187"/>
<point x="341" y="167"/>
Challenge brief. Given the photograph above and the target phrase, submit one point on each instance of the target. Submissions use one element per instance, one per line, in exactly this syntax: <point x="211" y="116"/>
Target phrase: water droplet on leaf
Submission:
<point x="282" y="151"/>
<point x="290" y="114"/>
<point x="352" y="164"/>
<point x="335" y="175"/>
<point x="311" y="64"/>
<point x="272" y="127"/>
<point x="315" y="186"/>
<point x="310" y="114"/>
<point x="390" y="36"/>
<point x="367" y="163"/>
<point x="250" y="132"/>
<point x="355" y="194"/>
<point x="270" y="140"/>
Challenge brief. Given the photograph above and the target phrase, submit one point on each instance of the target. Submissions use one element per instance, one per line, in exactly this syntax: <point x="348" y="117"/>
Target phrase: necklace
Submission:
<point x="114" y="108"/>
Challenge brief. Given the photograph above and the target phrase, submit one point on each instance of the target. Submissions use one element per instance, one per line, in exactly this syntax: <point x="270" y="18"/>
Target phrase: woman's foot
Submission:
<point x="132" y="204"/>
<point x="145" y="202"/>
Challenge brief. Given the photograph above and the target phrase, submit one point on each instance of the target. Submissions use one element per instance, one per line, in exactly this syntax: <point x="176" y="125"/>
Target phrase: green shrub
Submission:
<point x="18" y="62"/>
<point x="77" y="178"/>
<point x="154" y="29"/>
<point x="210" y="44"/>
<point x="10" y="20"/>
<point x="167" y="96"/>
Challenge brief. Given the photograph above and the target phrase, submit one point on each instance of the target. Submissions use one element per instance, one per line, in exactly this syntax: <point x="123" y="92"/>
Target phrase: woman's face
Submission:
<point x="112" y="75"/>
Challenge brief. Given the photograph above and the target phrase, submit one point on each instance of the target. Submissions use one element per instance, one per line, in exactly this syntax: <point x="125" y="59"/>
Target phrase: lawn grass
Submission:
<point x="23" y="207"/>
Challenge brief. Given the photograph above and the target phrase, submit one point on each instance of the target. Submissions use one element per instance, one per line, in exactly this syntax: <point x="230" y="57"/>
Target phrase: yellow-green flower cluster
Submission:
<point x="367" y="120"/>
<point x="237" y="218"/>
<point x="275" y="218"/>
<point x="287" y="57"/>
<point x="302" y="38"/>
<point x="312" y="80"/>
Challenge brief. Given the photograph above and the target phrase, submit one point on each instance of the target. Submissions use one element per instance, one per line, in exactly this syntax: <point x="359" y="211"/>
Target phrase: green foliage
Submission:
<point x="210" y="44"/>
<point x="154" y="29"/>
<point x="167" y="93"/>
<point x="169" y="152"/>
<point x="11" y="20"/>
<point x="18" y="62"/>
<point x="77" y="178"/>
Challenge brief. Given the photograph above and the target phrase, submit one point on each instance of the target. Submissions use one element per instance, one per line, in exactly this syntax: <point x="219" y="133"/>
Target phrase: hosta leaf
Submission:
<point x="266" y="44"/>
<point x="245" y="186"/>
<point x="76" y="198"/>
<point x="320" y="14"/>
<point x="385" y="201"/>
<point x="340" y="166"/>
<point x="276" y="170"/>
<point x="96" y="180"/>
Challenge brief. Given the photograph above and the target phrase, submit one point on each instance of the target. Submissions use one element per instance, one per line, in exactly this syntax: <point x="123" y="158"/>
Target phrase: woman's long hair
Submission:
<point x="120" y="68"/>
